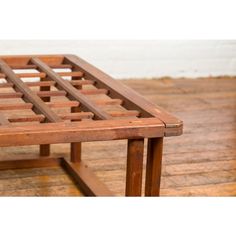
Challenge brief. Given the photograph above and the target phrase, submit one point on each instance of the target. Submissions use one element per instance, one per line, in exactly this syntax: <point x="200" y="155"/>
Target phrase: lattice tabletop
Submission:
<point x="47" y="99"/>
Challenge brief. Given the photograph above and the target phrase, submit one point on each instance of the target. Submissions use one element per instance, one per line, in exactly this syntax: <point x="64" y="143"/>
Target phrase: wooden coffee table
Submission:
<point x="50" y="99"/>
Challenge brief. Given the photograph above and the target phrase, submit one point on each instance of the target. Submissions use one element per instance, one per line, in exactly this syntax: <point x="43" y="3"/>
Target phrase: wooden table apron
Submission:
<point x="130" y="117"/>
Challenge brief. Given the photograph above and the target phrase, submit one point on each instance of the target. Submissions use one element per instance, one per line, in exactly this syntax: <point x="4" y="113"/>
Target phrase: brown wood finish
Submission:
<point x="72" y="92"/>
<point x="88" y="182"/>
<point x="76" y="148"/>
<point x="93" y="107"/>
<point x="134" y="167"/>
<point x="80" y="132"/>
<point x="132" y="100"/>
<point x="44" y="149"/>
<point x="153" y="166"/>
<point x="202" y="162"/>
<point x="34" y="163"/>
<point x="3" y="120"/>
<point x="29" y="96"/>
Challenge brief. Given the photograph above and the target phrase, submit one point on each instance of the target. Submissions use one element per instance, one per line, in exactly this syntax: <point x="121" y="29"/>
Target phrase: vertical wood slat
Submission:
<point x="134" y="167"/>
<point x="153" y="167"/>
<point x="39" y="106"/>
<point x="71" y="91"/>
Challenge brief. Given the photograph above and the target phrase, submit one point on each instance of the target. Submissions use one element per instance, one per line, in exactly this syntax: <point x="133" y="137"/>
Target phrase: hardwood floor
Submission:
<point x="201" y="162"/>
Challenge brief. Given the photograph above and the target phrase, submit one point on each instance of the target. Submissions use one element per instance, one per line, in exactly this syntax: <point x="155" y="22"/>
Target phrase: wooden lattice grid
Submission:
<point x="46" y="99"/>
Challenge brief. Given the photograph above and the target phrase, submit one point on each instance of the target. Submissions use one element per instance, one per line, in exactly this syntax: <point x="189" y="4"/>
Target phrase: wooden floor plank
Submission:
<point x="201" y="162"/>
<point x="61" y="190"/>
<point x="222" y="189"/>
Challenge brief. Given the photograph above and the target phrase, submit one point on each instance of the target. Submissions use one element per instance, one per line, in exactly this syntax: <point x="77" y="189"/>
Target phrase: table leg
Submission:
<point x="75" y="148"/>
<point x="153" y="167"/>
<point x="134" y="167"/>
<point x="45" y="148"/>
<point x="75" y="152"/>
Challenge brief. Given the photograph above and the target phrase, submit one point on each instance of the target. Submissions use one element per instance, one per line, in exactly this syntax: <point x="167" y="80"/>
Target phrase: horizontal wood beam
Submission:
<point x="15" y="106"/>
<point x="48" y="83"/>
<point x="83" y="131"/>
<point x="29" y="163"/>
<point x="11" y="95"/>
<point x="26" y="118"/>
<point x="28" y="66"/>
<point x="87" y="181"/>
<point x="43" y="75"/>
<point x="94" y="91"/>
<point x="56" y="93"/>
<point x="108" y="102"/>
<point x="21" y="106"/>
<point x="43" y="94"/>
<point x="124" y="113"/>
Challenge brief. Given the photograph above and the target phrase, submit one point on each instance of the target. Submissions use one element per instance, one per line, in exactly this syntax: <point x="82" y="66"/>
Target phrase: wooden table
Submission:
<point x="96" y="108"/>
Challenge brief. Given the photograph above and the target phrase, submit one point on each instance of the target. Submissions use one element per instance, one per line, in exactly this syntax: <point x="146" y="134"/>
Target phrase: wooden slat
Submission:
<point x="29" y="96"/>
<point x="11" y="95"/>
<point x="41" y="118"/>
<point x="94" y="91"/>
<point x="28" y="118"/>
<point x="3" y="120"/>
<point x="88" y="183"/>
<point x="81" y="82"/>
<point x="124" y="113"/>
<point x="18" y="66"/>
<point x="77" y="116"/>
<point x="40" y="94"/>
<point x="28" y="66"/>
<point x="30" y="75"/>
<point x="30" y="84"/>
<point x="15" y="106"/>
<point x="25" y="75"/>
<point x="6" y="85"/>
<point x="109" y="102"/>
<point x="43" y="75"/>
<point x="25" y="59"/>
<point x="52" y="83"/>
<point x="101" y="130"/>
<point x="61" y="66"/>
<point x="33" y="163"/>
<point x="48" y="83"/>
<point x="132" y="100"/>
<point x="40" y="84"/>
<point x="72" y="74"/>
<point x="86" y="104"/>
<point x="62" y="104"/>
<point x="43" y="94"/>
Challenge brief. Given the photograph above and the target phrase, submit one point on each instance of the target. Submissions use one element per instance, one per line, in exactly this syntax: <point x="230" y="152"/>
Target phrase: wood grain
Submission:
<point x="202" y="162"/>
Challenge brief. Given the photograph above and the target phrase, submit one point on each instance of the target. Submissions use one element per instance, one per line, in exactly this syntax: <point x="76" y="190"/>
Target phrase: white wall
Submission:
<point x="125" y="59"/>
